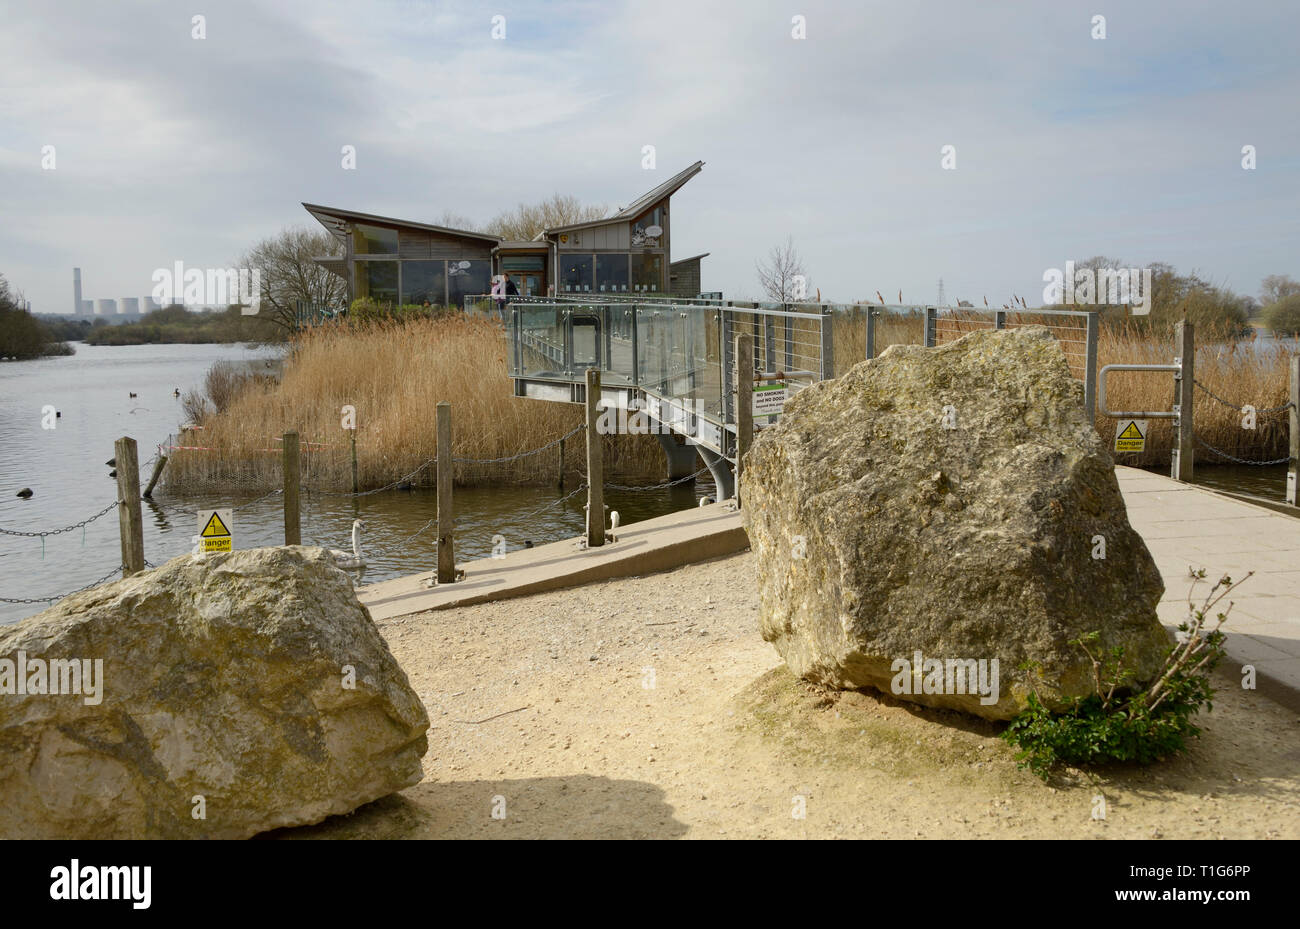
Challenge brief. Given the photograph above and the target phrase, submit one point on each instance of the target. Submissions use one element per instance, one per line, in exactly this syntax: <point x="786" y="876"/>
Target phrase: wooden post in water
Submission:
<point x="291" y="475"/>
<point x="354" y="460"/>
<point x="157" y="473"/>
<point x="1185" y="347"/>
<point x="129" y="519"/>
<point x="1293" y="467"/>
<point x="446" y="546"/>
<point x="595" y="464"/>
<point x="560" y="478"/>
<point x="744" y="381"/>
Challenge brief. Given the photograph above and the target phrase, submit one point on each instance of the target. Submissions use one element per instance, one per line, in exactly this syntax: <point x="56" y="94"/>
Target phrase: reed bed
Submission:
<point x="394" y="374"/>
<point x="1234" y="370"/>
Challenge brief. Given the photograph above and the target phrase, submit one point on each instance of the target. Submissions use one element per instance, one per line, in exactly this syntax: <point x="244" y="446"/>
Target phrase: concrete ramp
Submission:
<point x="653" y="545"/>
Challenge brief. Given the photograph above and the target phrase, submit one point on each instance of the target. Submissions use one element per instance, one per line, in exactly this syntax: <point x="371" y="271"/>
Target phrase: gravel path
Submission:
<point x="650" y="707"/>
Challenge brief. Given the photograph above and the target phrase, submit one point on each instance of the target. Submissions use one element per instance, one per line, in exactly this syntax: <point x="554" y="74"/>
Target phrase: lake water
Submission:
<point x="65" y="469"/>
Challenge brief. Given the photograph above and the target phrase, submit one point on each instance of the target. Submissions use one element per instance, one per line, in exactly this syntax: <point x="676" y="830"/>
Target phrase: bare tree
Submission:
<point x="526" y="221"/>
<point x="782" y="275"/>
<point x="1277" y="287"/>
<point x="290" y="274"/>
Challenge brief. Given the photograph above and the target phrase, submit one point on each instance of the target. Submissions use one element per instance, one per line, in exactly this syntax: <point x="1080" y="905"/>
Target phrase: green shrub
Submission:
<point x="1283" y="317"/>
<point x="1116" y="724"/>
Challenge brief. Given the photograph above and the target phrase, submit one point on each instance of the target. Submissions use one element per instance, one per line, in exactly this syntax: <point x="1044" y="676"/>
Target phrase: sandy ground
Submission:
<point x="651" y="708"/>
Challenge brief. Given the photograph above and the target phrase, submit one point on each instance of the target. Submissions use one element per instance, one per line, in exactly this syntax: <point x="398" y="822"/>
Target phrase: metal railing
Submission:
<point x="677" y="354"/>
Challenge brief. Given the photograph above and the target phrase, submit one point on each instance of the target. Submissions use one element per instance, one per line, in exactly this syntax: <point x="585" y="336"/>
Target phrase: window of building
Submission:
<point x="373" y="240"/>
<point x="377" y="280"/>
<point x="575" y="273"/>
<point x="424" y="281"/>
<point x="523" y="263"/>
<point x="466" y="279"/>
<point x="611" y="273"/>
<point x="648" y="231"/>
<point x="648" y="272"/>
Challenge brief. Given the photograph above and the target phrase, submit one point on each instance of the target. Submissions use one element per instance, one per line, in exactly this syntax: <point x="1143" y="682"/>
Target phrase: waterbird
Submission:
<point x="706" y="500"/>
<point x="176" y="392"/>
<point x="25" y="493"/>
<point x="113" y="473"/>
<point x="131" y="395"/>
<point x="112" y="462"/>
<point x="354" y="560"/>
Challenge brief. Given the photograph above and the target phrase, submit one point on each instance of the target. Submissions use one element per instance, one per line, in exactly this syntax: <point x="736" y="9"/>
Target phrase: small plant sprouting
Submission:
<point x="1115" y="723"/>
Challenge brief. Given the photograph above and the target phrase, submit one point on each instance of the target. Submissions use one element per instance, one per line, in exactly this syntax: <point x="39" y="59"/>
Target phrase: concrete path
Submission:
<point x="642" y="548"/>
<point x="1190" y="527"/>
<point x="1184" y="526"/>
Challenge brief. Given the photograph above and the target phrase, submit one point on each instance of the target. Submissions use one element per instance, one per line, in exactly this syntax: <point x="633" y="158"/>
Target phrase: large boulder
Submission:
<point x="949" y="505"/>
<point x="237" y="693"/>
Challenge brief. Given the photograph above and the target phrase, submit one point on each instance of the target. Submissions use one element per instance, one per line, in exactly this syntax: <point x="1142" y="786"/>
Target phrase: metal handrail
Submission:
<point x="1176" y="369"/>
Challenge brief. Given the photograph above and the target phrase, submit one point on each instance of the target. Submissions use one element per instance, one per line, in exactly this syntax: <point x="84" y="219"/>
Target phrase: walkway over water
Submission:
<point x="673" y="359"/>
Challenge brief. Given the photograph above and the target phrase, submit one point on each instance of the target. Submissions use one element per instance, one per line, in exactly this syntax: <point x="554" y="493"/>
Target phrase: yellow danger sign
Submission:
<point x="1131" y="435"/>
<point x="215" y="531"/>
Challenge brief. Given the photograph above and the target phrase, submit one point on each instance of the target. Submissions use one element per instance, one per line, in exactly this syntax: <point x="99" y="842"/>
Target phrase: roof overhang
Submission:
<point x="336" y="221"/>
<point x="639" y="205"/>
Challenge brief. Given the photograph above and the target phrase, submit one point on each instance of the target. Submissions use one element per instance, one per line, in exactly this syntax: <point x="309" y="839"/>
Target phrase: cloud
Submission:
<point x="171" y="148"/>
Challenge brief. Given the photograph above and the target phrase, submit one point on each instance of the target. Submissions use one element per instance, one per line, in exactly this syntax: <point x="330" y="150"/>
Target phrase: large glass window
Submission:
<point x="648" y="272"/>
<point x="373" y="240"/>
<point x="611" y="273"/>
<point x="648" y="231"/>
<point x="575" y="273"/>
<point x="424" y="281"/>
<point x="377" y="280"/>
<point x="467" y="278"/>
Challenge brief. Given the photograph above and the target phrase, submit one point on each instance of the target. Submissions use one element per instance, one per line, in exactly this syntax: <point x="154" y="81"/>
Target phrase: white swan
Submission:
<point x="356" y="559"/>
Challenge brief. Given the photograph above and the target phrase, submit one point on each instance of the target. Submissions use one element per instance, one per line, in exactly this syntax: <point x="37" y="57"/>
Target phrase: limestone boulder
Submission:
<point x="950" y="505"/>
<point x="213" y="697"/>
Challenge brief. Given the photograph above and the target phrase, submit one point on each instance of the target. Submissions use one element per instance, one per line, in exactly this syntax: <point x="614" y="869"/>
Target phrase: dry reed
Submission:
<point x="394" y="374"/>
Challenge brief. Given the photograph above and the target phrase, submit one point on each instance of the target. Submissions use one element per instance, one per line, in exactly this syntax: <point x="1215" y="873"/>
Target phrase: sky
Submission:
<point x="169" y="147"/>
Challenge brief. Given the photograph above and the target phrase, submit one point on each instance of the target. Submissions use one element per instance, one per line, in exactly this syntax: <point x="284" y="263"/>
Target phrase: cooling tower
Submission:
<point x="106" y="307"/>
<point x="129" y="305"/>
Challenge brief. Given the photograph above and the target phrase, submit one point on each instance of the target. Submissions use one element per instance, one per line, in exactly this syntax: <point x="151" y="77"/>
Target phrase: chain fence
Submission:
<point x="69" y="593"/>
<point x="40" y="534"/>
<point x="1229" y="403"/>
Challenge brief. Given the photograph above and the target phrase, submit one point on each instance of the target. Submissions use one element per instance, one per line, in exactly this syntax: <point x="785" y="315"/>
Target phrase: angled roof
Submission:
<point x="335" y="220"/>
<point x="692" y="258"/>
<point x="640" y="204"/>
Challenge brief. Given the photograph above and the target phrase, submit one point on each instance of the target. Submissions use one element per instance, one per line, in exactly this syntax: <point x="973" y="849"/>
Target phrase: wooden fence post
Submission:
<point x="744" y="381"/>
<point x="129" y="519"/>
<point x="595" y="464"/>
<point x="1185" y="347"/>
<point x="291" y="476"/>
<point x="446" y="545"/>
<point x="1293" y="467"/>
<point x="157" y="473"/>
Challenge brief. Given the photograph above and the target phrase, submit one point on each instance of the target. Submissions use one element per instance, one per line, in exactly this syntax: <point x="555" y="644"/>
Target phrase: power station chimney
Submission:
<point x="76" y="291"/>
